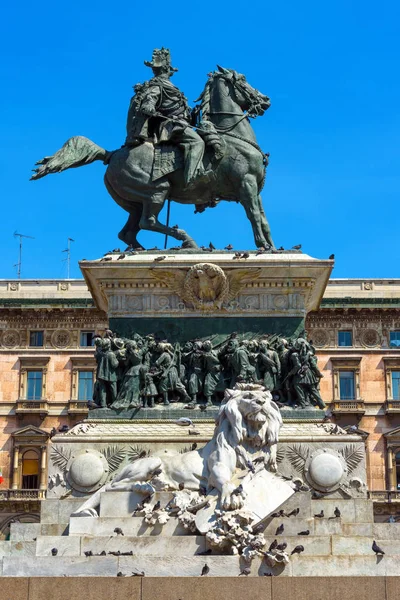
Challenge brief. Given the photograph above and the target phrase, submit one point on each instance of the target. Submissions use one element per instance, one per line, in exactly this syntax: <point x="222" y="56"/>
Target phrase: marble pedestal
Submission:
<point x="192" y="294"/>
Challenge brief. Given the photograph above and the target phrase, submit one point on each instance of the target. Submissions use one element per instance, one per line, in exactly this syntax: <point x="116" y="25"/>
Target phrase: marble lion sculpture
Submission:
<point x="247" y="424"/>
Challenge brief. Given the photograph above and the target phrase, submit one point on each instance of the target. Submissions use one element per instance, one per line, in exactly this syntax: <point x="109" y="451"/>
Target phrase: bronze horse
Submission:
<point x="226" y="101"/>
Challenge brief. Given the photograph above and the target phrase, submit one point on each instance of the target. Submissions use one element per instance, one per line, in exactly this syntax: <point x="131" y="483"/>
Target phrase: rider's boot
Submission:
<point x="166" y="401"/>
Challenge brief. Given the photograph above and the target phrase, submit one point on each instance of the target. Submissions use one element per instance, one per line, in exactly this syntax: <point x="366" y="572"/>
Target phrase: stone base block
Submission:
<point x="66" y="545"/>
<point x="337" y="566"/>
<point x="352" y="510"/>
<point x="131" y="526"/>
<point x="60" y="566"/>
<point x="386" y="531"/>
<point x="292" y="526"/>
<point x="358" y="546"/>
<point x="21" y="532"/>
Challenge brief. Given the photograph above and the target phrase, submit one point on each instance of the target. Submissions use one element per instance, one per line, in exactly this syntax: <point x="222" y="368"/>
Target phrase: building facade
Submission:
<point x="47" y="371"/>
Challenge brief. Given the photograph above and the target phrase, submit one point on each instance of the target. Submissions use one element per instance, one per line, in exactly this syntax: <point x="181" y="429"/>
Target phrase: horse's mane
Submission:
<point x="205" y="98"/>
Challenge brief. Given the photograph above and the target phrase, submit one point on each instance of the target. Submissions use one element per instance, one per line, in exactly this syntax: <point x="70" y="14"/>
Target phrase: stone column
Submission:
<point x="391" y="470"/>
<point x="15" y="475"/>
<point x="43" y="461"/>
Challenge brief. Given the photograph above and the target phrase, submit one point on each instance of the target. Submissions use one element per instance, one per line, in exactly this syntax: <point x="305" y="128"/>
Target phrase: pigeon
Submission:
<point x="184" y="422"/>
<point x="246" y="571"/>
<point x="118" y="531"/>
<point x="53" y="432"/>
<point x="275" y="515"/>
<point x="160" y="258"/>
<point x="273" y="546"/>
<point x="245" y="255"/>
<point x="293" y="513"/>
<point x="282" y="546"/>
<point x="320" y="515"/>
<point x="193" y="432"/>
<point x="176" y="248"/>
<point x="181" y="486"/>
<point x="280" y="529"/>
<point x="156" y="472"/>
<point x="88" y="553"/>
<point x="194" y="446"/>
<point x="117" y="250"/>
<point x="157" y="506"/>
<point x="121" y="256"/>
<point x="202" y="491"/>
<point x="236" y="255"/>
<point x="298" y="247"/>
<point x="267" y="574"/>
<point x="211" y="246"/>
<point x="306" y="532"/>
<point x="237" y="490"/>
<point x="376" y="549"/>
<point x="331" y="257"/>
<point x="106" y="258"/>
<point x="137" y="574"/>
<point x="337" y="512"/>
<point x="297" y="550"/>
<point x="250" y="466"/>
<point x="120" y="574"/>
<point x="102" y="553"/>
<point x="203" y="407"/>
<point x="205" y="570"/>
<point x="281" y="249"/>
<point x="260" y="251"/>
<point x="54" y="551"/>
<point x="204" y="553"/>
<point x="229" y="247"/>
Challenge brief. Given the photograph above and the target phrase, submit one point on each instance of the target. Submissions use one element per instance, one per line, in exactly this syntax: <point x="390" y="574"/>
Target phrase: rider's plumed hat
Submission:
<point x="161" y="58"/>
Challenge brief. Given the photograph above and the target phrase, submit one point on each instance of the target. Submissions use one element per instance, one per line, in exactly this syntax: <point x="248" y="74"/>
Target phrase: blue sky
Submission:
<point x="331" y="70"/>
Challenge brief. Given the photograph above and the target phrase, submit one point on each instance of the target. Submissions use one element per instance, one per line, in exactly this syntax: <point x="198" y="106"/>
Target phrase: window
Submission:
<point x="30" y="470"/>
<point x="34" y="385"/>
<point x="87" y="338"/>
<point x="85" y="385"/>
<point x="36" y="338"/>
<point x="345" y="338"/>
<point x="346" y="385"/>
<point x="395" y="339"/>
<point x="396" y="385"/>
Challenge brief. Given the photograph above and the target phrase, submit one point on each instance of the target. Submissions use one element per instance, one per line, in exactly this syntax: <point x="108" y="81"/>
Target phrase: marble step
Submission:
<point x="20" y="548"/>
<point x="152" y="565"/>
<point x="357" y="510"/>
<point x="220" y="566"/>
<point x="131" y="526"/>
<point x="123" y="504"/>
<point x="161" y="546"/>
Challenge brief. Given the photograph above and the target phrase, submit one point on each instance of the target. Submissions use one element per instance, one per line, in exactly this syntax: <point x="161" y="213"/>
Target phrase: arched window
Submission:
<point x="30" y="470"/>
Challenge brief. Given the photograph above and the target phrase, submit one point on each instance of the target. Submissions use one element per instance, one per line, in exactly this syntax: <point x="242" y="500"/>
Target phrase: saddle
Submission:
<point x="169" y="158"/>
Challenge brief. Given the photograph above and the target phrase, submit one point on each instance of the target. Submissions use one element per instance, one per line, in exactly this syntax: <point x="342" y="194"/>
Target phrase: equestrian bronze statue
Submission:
<point x="192" y="156"/>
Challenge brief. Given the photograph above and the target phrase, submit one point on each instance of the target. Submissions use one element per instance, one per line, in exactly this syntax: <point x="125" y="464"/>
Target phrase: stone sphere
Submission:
<point x="326" y="470"/>
<point x="86" y="470"/>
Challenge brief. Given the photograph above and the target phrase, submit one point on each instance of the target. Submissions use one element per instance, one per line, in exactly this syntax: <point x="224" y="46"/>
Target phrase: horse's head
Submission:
<point x="247" y="97"/>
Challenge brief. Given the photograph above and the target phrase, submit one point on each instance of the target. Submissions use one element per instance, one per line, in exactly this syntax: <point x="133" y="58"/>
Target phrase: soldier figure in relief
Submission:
<point x="159" y="110"/>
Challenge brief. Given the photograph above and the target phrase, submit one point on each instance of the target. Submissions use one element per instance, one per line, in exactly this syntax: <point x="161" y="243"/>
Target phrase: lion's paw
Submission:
<point x="229" y="500"/>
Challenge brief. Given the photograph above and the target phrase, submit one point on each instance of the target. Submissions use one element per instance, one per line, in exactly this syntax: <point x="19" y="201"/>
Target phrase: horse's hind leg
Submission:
<point x="265" y="225"/>
<point x="249" y="198"/>
<point x="150" y="222"/>
<point x="131" y="228"/>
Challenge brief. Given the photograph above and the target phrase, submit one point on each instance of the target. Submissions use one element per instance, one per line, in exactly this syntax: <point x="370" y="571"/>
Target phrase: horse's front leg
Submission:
<point x="150" y="222"/>
<point x="248" y="197"/>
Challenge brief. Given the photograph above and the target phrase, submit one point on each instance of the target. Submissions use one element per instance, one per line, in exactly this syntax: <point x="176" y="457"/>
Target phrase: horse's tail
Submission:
<point x="76" y="152"/>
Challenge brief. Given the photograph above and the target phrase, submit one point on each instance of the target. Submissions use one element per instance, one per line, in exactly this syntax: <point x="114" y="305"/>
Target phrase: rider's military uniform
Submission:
<point x="159" y="111"/>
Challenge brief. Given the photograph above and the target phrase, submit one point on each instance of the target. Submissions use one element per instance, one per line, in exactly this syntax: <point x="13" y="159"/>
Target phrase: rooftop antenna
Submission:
<point x="68" y="251"/>
<point x="19" y="263"/>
